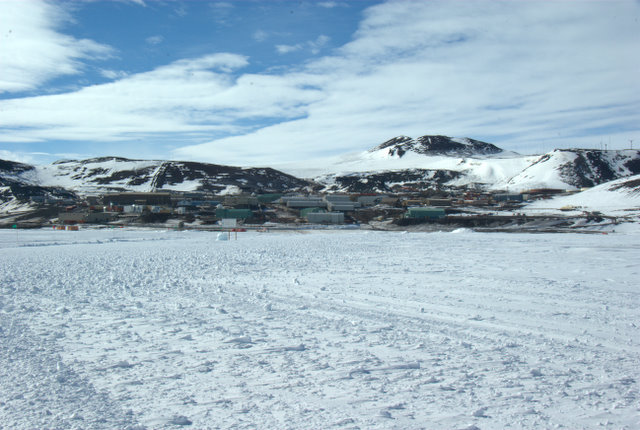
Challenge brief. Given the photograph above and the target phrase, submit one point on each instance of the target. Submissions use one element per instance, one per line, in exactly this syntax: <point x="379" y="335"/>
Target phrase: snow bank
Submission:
<point x="617" y="198"/>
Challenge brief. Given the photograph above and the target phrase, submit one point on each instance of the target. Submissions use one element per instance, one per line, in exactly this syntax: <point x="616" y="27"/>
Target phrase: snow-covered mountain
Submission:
<point x="577" y="168"/>
<point x="436" y="145"/>
<point x="16" y="184"/>
<point x="618" y="197"/>
<point x="441" y="162"/>
<point x="111" y="174"/>
<point x="398" y="164"/>
<point x="98" y="175"/>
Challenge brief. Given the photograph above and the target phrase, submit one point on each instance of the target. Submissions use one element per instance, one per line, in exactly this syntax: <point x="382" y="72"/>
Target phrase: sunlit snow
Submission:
<point x="119" y="328"/>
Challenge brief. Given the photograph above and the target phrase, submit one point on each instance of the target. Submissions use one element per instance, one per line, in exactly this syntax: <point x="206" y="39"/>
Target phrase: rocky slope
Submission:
<point x="445" y="162"/>
<point x="577" y="168"/>
<point x="111" y="174"/>
<point x="120" y="174"/>
<point x="620" y="197"/>
<point x="401" y="163"/>
<point x="16" y="185"/>
<point x="436" y="145"/>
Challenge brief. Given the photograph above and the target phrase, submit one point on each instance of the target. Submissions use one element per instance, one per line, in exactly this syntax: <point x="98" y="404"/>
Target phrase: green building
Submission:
<point x="234" y="213"/>
<point x="307" y="211"/>
<point x="269" y="198"/>
<point x="425" y="212"/>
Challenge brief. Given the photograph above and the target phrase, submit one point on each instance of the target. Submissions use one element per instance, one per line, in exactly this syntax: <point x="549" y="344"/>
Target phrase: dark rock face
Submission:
<point x="632" y="186"/>
<point x="437" y="145"/>
<point x="13" y="168"/>
<point x="23" y="192"/>
<point x="594" y="167"/>
<point x="11" y="186"/>
<point x="214" y="177"/>
<point x="390" y="181"/>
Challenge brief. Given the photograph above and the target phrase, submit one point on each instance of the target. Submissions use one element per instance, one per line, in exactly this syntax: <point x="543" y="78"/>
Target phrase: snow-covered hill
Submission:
<point x="399" y="163"/>
<point x="108" y="174"/>
<point x="436" y="145"/>
<point x="576" y="168"/>
<point x="17" y="186"/>
<point x="617" y="198"/>
<point x="439" y="161"/>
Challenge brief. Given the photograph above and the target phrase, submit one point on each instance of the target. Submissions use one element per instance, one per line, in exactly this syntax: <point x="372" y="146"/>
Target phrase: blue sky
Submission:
<point x="282" y="82"/>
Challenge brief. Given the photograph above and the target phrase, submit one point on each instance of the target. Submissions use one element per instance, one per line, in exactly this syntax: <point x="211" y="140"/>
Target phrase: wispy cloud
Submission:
<point x="285" y="49"/>
<point x="32" y="50"/>
<point x="191" y="98"/>
<point x="181" y="11"/>
<point x="318" y="44"/>
<point x="222" y="5"/>
<point x="514" y="73"/>
<point x="113" y="74"/>
<point x="20" y="157"/>
<point x="154" y="40"/>
<point x="331" y="4"/>
<point x="314" y="46"/>
<point x="555" y="70"/>
<point x="260" y="35"/>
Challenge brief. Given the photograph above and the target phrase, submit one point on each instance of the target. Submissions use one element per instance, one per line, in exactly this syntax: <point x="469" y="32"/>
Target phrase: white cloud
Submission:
<point x="318" y="44"/>
<point x="285" y="49"/>
<point x="514" y="73"/>
<point x="154" y="40"/>
<point x="328" y="4"/>
<point x="260" y="35"/>
<point x="315" y="46"/>
<point x="222" y="5"/>
<point x="16" y="156"/>
<point x="113" y="74"/>
<point x="181" y="11"/>
<point x="33" y="52"/>
<point x="190" y="98"/>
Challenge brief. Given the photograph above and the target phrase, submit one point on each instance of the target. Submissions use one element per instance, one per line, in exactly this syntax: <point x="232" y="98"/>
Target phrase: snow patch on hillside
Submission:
<point x="90" y="176"/>
<point x="616" y="198"/>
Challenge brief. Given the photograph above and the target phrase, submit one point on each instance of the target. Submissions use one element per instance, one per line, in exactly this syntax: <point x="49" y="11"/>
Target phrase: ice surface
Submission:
<point x="168" y="329"/>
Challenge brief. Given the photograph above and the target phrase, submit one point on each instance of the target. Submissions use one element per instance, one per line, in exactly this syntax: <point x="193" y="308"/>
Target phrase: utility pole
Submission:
<point x="630" y="143"/>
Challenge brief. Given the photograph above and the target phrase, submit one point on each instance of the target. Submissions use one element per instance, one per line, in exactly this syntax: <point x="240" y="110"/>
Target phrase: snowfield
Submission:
<point x="344" y="329"/>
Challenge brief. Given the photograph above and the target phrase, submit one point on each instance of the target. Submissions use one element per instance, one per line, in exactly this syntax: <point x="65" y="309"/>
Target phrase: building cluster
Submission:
<point x="204" y="208"/>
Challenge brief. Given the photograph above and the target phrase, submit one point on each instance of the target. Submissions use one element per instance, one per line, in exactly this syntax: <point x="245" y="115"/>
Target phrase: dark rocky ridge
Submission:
<point x="437" y="145"/>
<point x="113" y="174"/>
<point x="390" y="181"/>
<point x="163" y="175"/>
<point x="574" y="167"/>
<point x="592" y="167"/>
